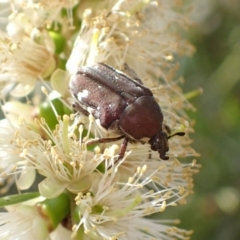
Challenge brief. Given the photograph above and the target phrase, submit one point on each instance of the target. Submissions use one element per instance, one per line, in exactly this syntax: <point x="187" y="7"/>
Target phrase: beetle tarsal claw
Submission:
<point x="163" y="156"/>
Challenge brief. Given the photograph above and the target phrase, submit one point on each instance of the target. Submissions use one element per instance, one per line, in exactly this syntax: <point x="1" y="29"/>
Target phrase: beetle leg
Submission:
<point x="104" y="140"/>
<point x="123" y="149"/>
<point x="150" y="154"/>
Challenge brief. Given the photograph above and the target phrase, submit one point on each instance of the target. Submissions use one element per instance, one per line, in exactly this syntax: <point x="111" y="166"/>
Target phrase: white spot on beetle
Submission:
<point x="90" y="110"/>
<point x="82" y="94"/>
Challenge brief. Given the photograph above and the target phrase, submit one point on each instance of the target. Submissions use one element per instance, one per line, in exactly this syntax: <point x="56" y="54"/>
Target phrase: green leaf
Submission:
<point x="18" y="198"/>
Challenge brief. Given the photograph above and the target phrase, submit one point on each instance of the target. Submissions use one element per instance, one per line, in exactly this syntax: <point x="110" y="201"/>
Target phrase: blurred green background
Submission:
<point x="213" y="212"/>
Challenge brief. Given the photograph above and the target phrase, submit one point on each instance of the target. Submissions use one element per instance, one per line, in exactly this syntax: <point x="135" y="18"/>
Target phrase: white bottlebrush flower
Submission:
<point x="141" y="33"/>
<point x="44" y="13"/>
<point x="115" y="210"/>
<point x="12" y="166"/>
<point x="61" y="233"/>
<point x="61" y="158"/>
<point x="26" y="53"/>
<point x="15" y="109"/>
<point x="8" y="155"/>
<point x="22" y="62"/>
<point x="171" y="173"/>
<point x="22" y="222"/>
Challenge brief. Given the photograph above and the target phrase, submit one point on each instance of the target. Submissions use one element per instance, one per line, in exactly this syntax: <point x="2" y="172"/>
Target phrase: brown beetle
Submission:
<point x="122" y="104"/>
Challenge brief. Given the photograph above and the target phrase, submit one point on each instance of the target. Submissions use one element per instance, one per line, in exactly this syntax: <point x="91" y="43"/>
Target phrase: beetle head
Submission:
<point x="160" y="143"/>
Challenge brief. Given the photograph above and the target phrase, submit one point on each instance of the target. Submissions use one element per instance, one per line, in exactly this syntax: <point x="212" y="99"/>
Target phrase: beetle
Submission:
<point x="121" y="103"/>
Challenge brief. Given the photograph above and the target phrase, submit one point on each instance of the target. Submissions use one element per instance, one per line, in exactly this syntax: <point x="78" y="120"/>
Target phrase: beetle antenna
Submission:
<point x="176" y="134"/>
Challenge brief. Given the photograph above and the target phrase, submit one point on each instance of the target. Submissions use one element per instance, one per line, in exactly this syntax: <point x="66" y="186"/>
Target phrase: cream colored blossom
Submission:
<point x="26" y="54"/>
<point x="12" y="166"/>
<point x="61" y="158"/>
<point x="22" y="63"/>
<point x="141" y="33"/>
<point x="43" y="12"/>
<point x="23" y="223"/>
<point x="115" y="210"/>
